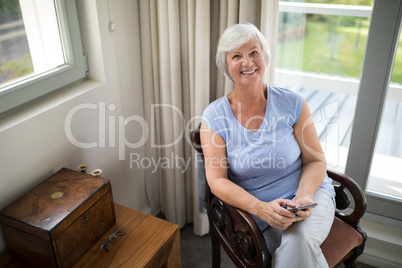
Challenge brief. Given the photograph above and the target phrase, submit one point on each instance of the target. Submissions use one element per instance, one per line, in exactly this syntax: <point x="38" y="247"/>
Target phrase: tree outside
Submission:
<point x="15" y="58"/>
<point x="326" y="44"/>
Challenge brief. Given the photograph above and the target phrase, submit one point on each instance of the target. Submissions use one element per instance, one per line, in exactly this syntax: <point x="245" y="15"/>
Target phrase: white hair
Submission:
<point x="234" y="37"/>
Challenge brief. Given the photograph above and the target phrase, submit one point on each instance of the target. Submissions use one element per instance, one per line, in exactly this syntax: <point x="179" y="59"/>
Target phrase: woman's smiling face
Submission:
<point x="246" y="65"/>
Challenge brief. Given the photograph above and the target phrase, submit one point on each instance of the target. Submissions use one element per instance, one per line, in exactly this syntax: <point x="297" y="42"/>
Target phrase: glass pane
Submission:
<point x="342" y="2"/>
<point x="325" y="44"/>
<point x="320" y="53"/>
<point x="30" y="42"/>
<point x="385" y="174"/>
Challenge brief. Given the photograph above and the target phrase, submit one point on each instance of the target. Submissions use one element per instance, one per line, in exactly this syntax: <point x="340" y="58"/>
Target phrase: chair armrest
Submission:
<point x="343" y="201"/>
<point x="239" y="234"/>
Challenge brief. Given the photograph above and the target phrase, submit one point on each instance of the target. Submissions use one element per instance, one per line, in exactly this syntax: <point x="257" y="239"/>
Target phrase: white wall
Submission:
<point x="33" y="143"/>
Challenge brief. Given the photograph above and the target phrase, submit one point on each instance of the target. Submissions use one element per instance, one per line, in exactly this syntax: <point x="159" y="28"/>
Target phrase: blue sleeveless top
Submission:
<point x="266" y="163"/>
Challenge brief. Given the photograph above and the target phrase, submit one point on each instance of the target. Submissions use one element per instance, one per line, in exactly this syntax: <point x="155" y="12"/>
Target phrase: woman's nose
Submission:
<point x="247" y="61"/>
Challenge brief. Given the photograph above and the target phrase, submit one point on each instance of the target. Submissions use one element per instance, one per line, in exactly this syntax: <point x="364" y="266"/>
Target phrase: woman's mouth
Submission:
<point x="250" y="72"/>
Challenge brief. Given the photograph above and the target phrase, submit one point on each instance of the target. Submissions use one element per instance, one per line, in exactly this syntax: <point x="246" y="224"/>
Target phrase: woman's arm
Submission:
<point x="214" y="149"/>
<point x="314" y="162"/>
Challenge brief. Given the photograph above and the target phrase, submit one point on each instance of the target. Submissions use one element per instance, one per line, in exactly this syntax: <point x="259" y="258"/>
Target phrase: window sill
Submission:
<point x="384" y="242"/>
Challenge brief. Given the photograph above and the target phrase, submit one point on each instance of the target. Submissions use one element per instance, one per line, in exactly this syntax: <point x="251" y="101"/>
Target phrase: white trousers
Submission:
<point x="299" y="245"/>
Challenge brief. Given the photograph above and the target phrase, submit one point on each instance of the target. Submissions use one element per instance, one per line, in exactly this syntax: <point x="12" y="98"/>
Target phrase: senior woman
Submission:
<point x="262" y="153"/>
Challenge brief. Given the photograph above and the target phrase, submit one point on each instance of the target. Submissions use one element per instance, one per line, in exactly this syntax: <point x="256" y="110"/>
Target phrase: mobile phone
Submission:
<point x="304" y="207"/>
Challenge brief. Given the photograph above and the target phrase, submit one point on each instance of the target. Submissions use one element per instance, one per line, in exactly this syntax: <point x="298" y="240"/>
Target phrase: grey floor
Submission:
<point x="196" y="251"/>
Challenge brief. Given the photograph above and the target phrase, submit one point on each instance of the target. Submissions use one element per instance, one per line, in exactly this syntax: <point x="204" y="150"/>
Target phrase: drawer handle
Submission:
<point x="86" y="218"/>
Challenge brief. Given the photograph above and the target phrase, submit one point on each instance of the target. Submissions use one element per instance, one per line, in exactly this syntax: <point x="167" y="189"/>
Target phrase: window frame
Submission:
<point x="20" y="93"/>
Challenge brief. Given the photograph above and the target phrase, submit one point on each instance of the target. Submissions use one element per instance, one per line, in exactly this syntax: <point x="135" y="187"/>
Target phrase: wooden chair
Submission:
<point x="244" y="243"/>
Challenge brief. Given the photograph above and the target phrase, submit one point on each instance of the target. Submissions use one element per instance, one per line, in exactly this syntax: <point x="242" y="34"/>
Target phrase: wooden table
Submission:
<point x="148" y="242"/>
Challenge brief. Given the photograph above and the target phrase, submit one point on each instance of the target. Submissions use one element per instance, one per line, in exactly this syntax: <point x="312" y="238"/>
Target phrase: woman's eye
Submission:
<point x="235" y="56"/>
<point x="254" y="52"/>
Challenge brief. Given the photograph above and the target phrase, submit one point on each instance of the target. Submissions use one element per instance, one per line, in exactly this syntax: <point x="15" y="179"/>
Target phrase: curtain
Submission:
<point x="178" y="41"/>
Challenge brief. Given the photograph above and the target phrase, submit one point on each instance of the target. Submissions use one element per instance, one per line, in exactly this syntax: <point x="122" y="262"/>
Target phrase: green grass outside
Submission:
<point x="335" y="54"/>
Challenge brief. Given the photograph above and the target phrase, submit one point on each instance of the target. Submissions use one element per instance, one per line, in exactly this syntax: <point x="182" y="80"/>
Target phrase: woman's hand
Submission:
<point x="300" y="201"/>
<point x="274" y="213"/>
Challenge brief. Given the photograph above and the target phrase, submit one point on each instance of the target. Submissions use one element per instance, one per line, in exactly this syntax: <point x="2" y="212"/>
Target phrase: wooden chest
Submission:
<point x="57" y="222"/>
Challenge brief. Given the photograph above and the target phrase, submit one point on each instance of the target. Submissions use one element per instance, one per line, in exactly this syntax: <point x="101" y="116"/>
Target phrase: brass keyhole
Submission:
<point x="86" y="218"/>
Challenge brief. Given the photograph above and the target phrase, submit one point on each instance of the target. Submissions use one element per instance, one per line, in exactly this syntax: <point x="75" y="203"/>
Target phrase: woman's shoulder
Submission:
<point x="217" y="116"/>
<point x="286" y="101"/>
<point x="216" y="106"/>
<point x="285" y="92"/>
<point x="218" y="101"/>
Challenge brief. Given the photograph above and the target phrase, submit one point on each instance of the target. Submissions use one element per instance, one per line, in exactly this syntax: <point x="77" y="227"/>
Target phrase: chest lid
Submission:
<point x="55" y="199"/>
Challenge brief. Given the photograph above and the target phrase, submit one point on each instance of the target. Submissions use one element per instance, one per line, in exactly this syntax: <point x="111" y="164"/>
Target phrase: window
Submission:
<point x="377" y="95"/>
<point x="385" y="176"/>
<point x="41" y="50"/>
<point x="320" y="53"/>
<point x="340" y="57"/>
